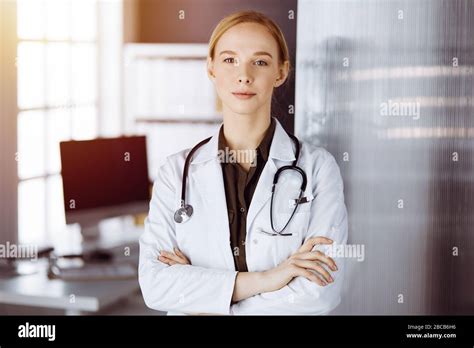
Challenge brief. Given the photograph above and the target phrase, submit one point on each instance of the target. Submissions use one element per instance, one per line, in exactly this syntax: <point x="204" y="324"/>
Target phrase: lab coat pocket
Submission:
<point x="297" y="225"/>
<point x="295" y="222"/>
<point x="270" y="249"/>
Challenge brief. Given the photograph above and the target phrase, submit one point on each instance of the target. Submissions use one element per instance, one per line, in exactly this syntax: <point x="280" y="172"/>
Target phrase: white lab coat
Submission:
<point x="206" y="286"/>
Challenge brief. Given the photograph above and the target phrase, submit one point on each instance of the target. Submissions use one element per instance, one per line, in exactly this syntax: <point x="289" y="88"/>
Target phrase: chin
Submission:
<point x="243" y="109"/>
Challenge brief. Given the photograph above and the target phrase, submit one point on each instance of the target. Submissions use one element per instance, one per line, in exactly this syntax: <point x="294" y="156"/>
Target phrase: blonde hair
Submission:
<point x="250" y="17"/>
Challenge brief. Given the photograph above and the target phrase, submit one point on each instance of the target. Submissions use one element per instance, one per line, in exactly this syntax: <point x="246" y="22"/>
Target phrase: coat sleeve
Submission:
<point x="180" y="288"/>
<point x="328" y="219"/>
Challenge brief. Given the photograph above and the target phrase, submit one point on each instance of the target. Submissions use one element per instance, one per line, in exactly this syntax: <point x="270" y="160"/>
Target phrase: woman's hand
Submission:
<point x="304" y="263"/>
<point x="173" y="258"/>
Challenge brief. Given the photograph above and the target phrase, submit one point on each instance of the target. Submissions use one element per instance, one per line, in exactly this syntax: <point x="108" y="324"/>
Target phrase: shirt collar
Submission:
<point x="281" y="145"/>
<point x="264" y="146"/>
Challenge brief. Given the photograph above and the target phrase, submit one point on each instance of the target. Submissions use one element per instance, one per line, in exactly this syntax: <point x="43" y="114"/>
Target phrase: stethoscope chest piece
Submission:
<point x="183" y="214"/>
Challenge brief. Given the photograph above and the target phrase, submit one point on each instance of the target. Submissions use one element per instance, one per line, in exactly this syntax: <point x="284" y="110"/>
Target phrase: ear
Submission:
<point x="283" y="71"/>
<point x="210" y="69"/>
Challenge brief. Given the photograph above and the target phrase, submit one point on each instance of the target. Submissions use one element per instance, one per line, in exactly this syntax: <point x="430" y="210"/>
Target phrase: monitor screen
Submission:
<point x="104" y="173"/>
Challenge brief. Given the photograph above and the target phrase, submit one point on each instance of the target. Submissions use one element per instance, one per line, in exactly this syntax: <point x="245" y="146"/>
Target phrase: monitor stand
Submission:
<point x="91" y="245"/>
<point x="13" y="268"/>
<point x="102" y="239"/>
<point x="9" y="269"/>
<point x="90" y="233"/>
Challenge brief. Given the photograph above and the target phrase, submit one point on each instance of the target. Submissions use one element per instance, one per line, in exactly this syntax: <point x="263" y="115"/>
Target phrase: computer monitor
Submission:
<point x="102" y="178"/>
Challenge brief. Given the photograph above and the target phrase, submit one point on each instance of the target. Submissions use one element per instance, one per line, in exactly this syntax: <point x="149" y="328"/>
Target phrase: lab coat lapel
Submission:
<point x="209" y="183"/>
<point x="206" y="178"/>
<point x="263" y="191"/>
<point x="282" y="149"/>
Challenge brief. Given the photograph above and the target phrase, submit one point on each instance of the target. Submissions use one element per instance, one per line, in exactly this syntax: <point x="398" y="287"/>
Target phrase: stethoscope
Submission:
<point x="185" y="211"/>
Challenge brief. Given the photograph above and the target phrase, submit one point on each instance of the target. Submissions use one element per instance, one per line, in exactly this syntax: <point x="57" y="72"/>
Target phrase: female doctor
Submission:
<point x="225" y="242"/>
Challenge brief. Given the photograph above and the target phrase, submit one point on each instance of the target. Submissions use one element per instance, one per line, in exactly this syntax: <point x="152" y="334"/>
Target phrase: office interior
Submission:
<point x="96" y="93"/>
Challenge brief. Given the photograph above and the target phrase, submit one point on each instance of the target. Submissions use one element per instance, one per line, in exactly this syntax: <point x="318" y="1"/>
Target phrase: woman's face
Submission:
<point x="246" y="61"/>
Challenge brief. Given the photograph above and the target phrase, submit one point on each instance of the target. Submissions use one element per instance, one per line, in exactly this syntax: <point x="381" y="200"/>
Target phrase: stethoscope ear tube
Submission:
<point x="291" y="217"/>
<point x="295" y="162"/>
<point x="292" y="167"/>
<point x="185" y="211"/>
<point x="274" y="233"/>
<point x="302" y="187"/>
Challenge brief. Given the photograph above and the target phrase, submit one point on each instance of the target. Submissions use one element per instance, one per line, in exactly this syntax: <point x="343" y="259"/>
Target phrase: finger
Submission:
<point x="318" y="255"/>
<point x="180" y="254"/>
<point x="175" y="258"/>
<point x="329" y="261"/>
<point x="303" y="272"/>
<point x="168" y="257"/>
<point x="314" y="265"/>
<point x="171" y="256"/>
<point x="310" y="243"/>
<point x="164" y="259"/>
<point x="167" y="261"/>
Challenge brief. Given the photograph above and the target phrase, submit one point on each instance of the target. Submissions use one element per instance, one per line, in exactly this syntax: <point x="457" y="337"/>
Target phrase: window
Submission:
<point x="58" y="60"/>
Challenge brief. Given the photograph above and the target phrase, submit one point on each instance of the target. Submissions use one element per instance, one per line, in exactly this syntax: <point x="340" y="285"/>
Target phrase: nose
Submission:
<point x="244" y="79"/>
<point x="244" y="76"/>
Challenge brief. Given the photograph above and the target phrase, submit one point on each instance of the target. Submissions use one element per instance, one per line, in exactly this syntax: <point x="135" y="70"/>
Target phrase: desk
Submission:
<point x="74" y="297"/>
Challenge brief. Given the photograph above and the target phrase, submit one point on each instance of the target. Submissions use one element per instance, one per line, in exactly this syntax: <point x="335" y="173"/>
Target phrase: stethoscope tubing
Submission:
<point x="184" y="207"/>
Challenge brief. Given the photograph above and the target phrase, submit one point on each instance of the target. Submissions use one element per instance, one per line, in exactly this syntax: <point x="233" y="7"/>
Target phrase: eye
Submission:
<point x="226" y="60"/>
<point x="263" y="63"/>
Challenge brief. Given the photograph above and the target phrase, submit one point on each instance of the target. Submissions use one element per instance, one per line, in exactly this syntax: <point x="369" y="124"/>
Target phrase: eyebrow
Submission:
<point x="259" y="53"/>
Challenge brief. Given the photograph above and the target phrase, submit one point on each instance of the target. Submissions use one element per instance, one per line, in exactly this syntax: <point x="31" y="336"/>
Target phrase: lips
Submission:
<point x="243" y="93"/>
